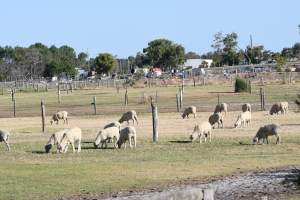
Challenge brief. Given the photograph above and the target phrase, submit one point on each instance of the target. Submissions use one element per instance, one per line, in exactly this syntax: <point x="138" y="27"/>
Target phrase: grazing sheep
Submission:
<point x="202" y="130"/>
<point x="243" y="120"/>
<point x="72" y="136"/>
<point x="113" y="124"/>
<point x="266" y="131"/>
<point x="246" y="107"/>
<point x="54" y="139"/>
<point x="130" y="115"/>
<point x="127" y="134"/>
<point x="111" y="133"/>
<point x="275" y="109"/>
<point x="223" y="107"/>
<point x="216" y="118"/>
<point x="188" y="111"/>
<point x="4" y="137"/>
<point x="61" y="115"/>
<point x="284" y="107"/>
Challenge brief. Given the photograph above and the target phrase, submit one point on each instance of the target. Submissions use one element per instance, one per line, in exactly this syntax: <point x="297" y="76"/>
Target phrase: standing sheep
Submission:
<point x="61" y="115"/>
<point x="275" y="109"/>
<point x="216" y="118"/>
<point x="189" y="110"/>
<point x="4" y="137"/>
<point x="266" y="131"/>
<point x="223" y="107"/>
<point x="55" y="139"/>
<point x="72" y="136"/>
<point x="284" y="107"/>
<point x="130" y="115"/>
<point x="127" y="134"/>
<point x="246" y="107"/>
<point x="202" y="130"/>
<point x="111" y="133"/>
<point x="243" y="120"/>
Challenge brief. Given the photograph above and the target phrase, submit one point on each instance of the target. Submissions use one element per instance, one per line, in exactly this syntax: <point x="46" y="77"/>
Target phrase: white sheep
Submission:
<point x="127" y="134"/>
<point x="243" y="120"/>
<point x="200" y="131"/>
<point x="130" y="115"/>
<point x="72" y="136"/>
<point x="266" y="131"/>
<point x="223" y="107"/>
<point x="189" y="110"/>
<point x="216" y="118"/>
<point x="55" y="139"/>
<point x="246" y="107"/>
<point x="61" y="115"/>
<point x="111" y="133"/>
<point x="284" y="107"/>
<point x="4" y="137"/>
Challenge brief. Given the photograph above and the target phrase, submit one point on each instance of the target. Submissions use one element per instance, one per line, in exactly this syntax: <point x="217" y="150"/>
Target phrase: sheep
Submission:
<point x="275" y="109"/>
<point x="61" y="115"/>
<point x="113" y="124"/>
<point x="111" y="133"/>
<point x="246" y="107"/>
<point x="243" y="119"/>
<point x="216" y="118"/>
<point x="54" y="139"/>
<point x="130" y="115"/>
<point x="189" y="110"/>
<point x="4" y="137"/>
<point x="284" y="107"/>
<point x="266" y="131"/>
<point x="223" y="107"/>
<point x="127" y="134"/>
<point x="202" y="130"/>
<point x="72" y="136"/>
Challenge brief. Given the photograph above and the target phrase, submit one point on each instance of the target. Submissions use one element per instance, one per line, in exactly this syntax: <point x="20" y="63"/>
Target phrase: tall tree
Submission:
<point x="164" y="54"/>
<point x="104" y="63"/>
<point x="192" y="55"/>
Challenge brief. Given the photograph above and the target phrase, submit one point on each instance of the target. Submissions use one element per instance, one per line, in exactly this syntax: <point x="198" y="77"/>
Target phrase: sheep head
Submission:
<point x="48" y="148"/>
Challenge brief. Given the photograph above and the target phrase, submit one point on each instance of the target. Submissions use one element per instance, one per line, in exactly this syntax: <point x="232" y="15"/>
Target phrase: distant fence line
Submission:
<point x="261" y="77"/>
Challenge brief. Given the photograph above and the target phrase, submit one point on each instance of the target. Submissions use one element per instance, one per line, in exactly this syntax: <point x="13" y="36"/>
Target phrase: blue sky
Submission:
<point x="125" y="27"/>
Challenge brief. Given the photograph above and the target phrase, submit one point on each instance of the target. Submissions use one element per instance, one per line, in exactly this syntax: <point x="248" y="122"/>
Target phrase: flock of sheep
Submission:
<point x="204" y="129"/>
<point x="112" y="132"/>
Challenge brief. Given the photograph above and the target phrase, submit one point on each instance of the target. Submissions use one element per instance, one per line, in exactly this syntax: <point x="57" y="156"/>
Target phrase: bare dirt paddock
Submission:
<point x="28" y="173"/>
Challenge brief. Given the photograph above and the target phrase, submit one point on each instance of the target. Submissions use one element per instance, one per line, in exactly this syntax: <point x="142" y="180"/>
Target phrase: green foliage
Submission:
<point x="281" y="62"/>
<point x="104" y="63"/>
<point x="241" y="85"/>
<point x="164" y="54"/>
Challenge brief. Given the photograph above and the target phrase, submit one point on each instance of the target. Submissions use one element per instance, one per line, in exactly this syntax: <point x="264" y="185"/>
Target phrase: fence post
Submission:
<point x="154" y="121"/>
<point x="46" y="87"/>
<point x="264" y="102"/>
<point x="43" y="115"/>
<point x="58" y="93"/>
<point x="126" y="98"/>
<point x="156" y="96"/>
<point x="14" y="107"/>
<point x="261" y="98"/>
<point x="250" y="86"/>
<point x="177" y="102"/>
<point x="180" y="98"/>
<point x="218" y="99"/>
<point x="2" y="90"/>
<point x="13" y="94"/>
<point x="194" y="81"/>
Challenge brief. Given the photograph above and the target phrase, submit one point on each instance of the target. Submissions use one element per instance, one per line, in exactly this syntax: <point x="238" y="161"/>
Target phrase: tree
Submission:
<point x="164" y="54"/>
<point x="230" y="55"/>
<point x="281" y="62"/>
<point x="296" y="50"/>
<point x="141" y="60"/>
<point x="104" y="63"/>
<point x="255" y="54"/>
<point x="192" y="55"/>
<point x="82" y="58"/>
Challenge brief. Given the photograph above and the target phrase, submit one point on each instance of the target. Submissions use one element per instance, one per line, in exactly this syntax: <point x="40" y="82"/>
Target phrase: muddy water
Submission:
<point x="263" y="185"/>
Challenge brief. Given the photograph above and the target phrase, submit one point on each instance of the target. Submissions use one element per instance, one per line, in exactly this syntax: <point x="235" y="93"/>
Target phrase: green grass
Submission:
<point x="27" y="173"/>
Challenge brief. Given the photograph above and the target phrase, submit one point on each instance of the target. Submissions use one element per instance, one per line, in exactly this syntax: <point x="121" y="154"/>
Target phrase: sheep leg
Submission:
<point x="73" y="146"/>
<point x="78" y="146"/>
<point x="7" y="145"/>
<point x="209" y="136"/>
<point x="134" y="140"/>
<point x="67" y="120"/>
<point x="130" y="145"/>
<point x="194" y="115"/>
<point x="267" y="140"/>
<point x="200" y="139"/>
<point x="278" y="139"/>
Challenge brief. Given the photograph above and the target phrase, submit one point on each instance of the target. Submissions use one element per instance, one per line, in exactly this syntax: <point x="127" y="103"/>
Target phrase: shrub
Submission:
<point x="241" y="85"/>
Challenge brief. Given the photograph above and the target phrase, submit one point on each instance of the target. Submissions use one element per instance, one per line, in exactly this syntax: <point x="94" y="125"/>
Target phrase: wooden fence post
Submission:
<point x="58" y="93"/>
<point x="95" y="106"/>
<point x="126" y="98"/>
<point x="154" y="121"/>
<point x="194" y="81"/>
<point x="264" y="100"/>
<point x="13" y="91"/>
<point x="250" y="86"/>
<point x="43" y="114"/>
<point x="14" y="107"/>
<point x="46" y="87"/>
<point x="156" y="96"/>
<point x="177" y="102"/>
<point x="218" y="99"/>
<point x="180" y="98"/>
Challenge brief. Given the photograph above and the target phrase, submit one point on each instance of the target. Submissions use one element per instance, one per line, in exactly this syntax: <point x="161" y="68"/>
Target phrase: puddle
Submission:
<point x="262" y="185"/>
